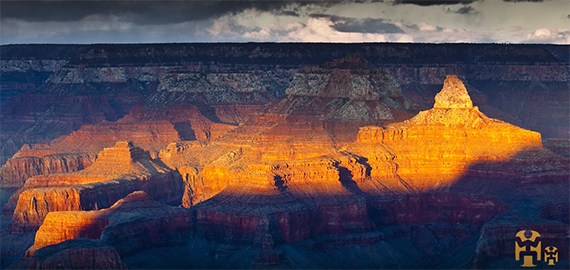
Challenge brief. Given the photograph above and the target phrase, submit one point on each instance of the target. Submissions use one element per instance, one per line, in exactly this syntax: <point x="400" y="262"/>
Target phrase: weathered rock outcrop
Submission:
<point x="294" y="140"/>
<point x="151" y="128"/>
<point x="436" y="147"/>
<point x="117" y="172"/>
<point x="18" y="169"/>
<point x="133" y="223"/>
<point x="332" y="164"/>
<point x="364" y="186"/>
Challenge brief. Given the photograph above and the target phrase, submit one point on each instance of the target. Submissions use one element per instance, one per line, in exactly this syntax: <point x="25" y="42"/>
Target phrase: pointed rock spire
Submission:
<point x="453" y="95"/>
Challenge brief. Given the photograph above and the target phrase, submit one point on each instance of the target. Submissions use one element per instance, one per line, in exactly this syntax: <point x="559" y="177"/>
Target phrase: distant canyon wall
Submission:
<point x="52" y="90"/>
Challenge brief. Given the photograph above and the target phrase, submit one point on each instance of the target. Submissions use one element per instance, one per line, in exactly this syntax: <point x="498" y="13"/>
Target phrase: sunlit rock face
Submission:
<point x="137" y="218"/>
<point x="323" y="191"/>
<point x="118" y="171"/>
<point x="436" y="147"/>
<point x="453" y="95"/>
<point x="151" y="129"/>
<point x="338" y="164"/>
<point x="294" y="140"/>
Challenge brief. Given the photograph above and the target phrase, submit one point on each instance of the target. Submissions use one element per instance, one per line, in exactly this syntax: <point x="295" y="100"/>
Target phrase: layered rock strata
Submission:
<point x="103" y="82"/>
<point x="294" y="140"/>
<point x="118" y="171"/>
<point x="304" y="195"/>
<point x="152" y="129"/>
<point x="436" y="147"/>
<point x="131" y="224"/>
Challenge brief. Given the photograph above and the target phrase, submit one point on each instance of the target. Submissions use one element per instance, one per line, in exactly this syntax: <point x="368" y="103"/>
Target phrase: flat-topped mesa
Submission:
<point x="117" y="172"/>
<point x="453" y="95"/>
<point x="123" y="160"/>
<point x="123" y="151"/>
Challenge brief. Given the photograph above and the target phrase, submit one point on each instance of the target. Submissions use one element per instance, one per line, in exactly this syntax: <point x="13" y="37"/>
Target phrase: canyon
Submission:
<point x="282" y="155"/>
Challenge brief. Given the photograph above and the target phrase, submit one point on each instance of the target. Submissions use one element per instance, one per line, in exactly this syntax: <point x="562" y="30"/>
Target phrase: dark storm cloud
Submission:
<point x="462" y="10"/>
<point x="288" y="13"/>
<point x="465" y="10"/>
<point x="367" y="25"/>
<point x="434" y="2"/>
<point x="140" y="12"/>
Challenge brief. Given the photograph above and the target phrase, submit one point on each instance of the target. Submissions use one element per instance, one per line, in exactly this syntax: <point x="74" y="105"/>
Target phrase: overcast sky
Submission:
<point x="512" y="21"/>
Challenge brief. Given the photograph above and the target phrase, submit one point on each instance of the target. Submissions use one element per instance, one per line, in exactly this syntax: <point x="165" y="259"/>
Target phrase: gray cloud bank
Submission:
<point x="285" y="21"/>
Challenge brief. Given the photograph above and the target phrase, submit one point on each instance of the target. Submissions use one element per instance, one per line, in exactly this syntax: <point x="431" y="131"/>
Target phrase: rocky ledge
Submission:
<point x="118" y="171"/>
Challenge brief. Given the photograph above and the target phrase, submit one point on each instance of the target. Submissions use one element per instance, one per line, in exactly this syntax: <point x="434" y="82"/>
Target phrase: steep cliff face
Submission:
<point x="289" y="138"/>
<point x="434" y="150"/>
<point x="104" y="82"/>
<point x="133" y="223"/>
<point x="18" y="169"/>
<point x="338" y="163"/>
<point x="117" y="172"/>
<point x="437" y="146"/>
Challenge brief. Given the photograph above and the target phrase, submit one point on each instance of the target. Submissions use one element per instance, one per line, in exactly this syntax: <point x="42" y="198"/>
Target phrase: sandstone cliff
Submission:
<point x="450" y="147"/>
<point x="104" y="82"/>
<point x="336" y="166"/>
<point x="434" y="148"/>
<point x="117" y="172"/>
<point x="133" y="223"/>
<point x="323" y="109"/>
<point x="20" y="168"/>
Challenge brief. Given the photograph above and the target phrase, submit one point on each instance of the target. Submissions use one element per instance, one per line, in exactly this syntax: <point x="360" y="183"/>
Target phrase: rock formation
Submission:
<point x="118" y="171"/>
<point x="453" y="95"/>
<point x="104" y="82"/>
<point x="151" y="129"/>
<point x="331" y="170"/>
<point x="333" y="194"/>
<point x="131" y="224"/>
<point x="437" y="146"/>
<point x="323" y="109"/>
<point x="20" y="168"/>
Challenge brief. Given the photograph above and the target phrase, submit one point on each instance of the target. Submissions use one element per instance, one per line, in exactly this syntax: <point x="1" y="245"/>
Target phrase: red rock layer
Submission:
<point x="436" y="147"/>
<point x="117" y="172"/>
<point x="294" y="140"/>
<point x="35" y="118"/>
<point x="153" y="129"/>
<point x="314" y="190"/>
<point x="18" y="169"/>
<point x="153" y="136"/>
<point x="133" y="223"/>
<point x="235" y="213"/>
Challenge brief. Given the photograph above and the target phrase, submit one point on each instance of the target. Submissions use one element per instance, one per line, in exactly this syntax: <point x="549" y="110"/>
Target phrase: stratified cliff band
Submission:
<point x="243" y="156"/>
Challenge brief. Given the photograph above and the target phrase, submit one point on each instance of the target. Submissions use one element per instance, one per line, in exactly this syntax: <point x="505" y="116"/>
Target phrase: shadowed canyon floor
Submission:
<point x="341" y="171"/>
